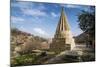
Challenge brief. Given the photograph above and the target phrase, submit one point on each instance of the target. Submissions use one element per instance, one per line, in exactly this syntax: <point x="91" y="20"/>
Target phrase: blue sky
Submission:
<point x="41" y="19"/>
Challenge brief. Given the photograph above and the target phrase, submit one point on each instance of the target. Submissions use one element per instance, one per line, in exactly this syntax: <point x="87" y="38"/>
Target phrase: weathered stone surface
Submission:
<point x="63" y="39"/>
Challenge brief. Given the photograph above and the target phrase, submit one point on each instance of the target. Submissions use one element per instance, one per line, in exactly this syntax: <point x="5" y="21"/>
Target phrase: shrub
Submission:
<point x="27" y="59"/>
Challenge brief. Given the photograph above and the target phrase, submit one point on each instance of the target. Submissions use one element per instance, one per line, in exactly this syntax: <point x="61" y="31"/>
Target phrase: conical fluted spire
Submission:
<point x="63" y="23"/>
<point x="63" y="39"/>
<point x="62" y="27"/>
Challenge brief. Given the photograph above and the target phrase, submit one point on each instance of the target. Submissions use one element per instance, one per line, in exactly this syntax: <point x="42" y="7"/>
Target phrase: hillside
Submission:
<point x="25" y="42"/>
<point x="81" y="38"/>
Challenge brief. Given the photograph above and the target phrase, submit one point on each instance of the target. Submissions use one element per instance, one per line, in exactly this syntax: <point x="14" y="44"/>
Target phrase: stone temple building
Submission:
<point x="63" y="39"/>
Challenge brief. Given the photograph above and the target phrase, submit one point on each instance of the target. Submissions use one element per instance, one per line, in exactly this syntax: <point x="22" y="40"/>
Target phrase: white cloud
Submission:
<point x="29" y="8"/>
<point x="41" y="7"/>
<point x="40" y="31"/>
<point x="28" y="5"/>
<point x="54" y="14"/>
<point x="33" y="12"/>
<point x="22" y="4"/>
<point x="70" y="6"/>
<point x="22" y="28"/>
<point x="16" y="19"/>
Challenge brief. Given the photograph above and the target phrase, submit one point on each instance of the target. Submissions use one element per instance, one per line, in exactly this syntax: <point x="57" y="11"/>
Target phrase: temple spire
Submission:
<point x="62" y="26"/>
<point x="63" y="22"/>
<point x="63" y="39"/>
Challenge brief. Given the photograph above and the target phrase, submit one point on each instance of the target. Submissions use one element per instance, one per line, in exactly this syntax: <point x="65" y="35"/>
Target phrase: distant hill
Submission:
<point x="15" y="32"/>
<point x="26" y="42"/>
<point x="81" y="38"/>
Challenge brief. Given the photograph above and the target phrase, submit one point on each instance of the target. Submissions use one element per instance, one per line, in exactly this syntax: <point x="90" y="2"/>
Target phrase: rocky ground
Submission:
<point x="46" y="57"/>
<point x="27" y="49"/>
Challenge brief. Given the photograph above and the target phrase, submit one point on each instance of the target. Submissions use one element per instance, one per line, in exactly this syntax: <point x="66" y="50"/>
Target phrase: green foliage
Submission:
<point x="86" y="21"/>
<point x="88" y="58"/>
<point x="26" y="59"/>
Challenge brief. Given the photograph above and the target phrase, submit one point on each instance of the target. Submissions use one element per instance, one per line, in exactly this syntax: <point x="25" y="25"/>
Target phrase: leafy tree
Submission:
<point x="86" y="21"/>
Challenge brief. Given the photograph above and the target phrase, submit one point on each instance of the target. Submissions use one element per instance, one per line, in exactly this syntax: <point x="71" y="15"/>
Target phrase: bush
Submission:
<point x="88" y="58"/>
<point x="27" y="59"/>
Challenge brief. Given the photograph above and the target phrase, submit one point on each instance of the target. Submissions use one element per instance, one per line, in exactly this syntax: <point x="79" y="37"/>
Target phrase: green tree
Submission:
<point x="86" y="21"/>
